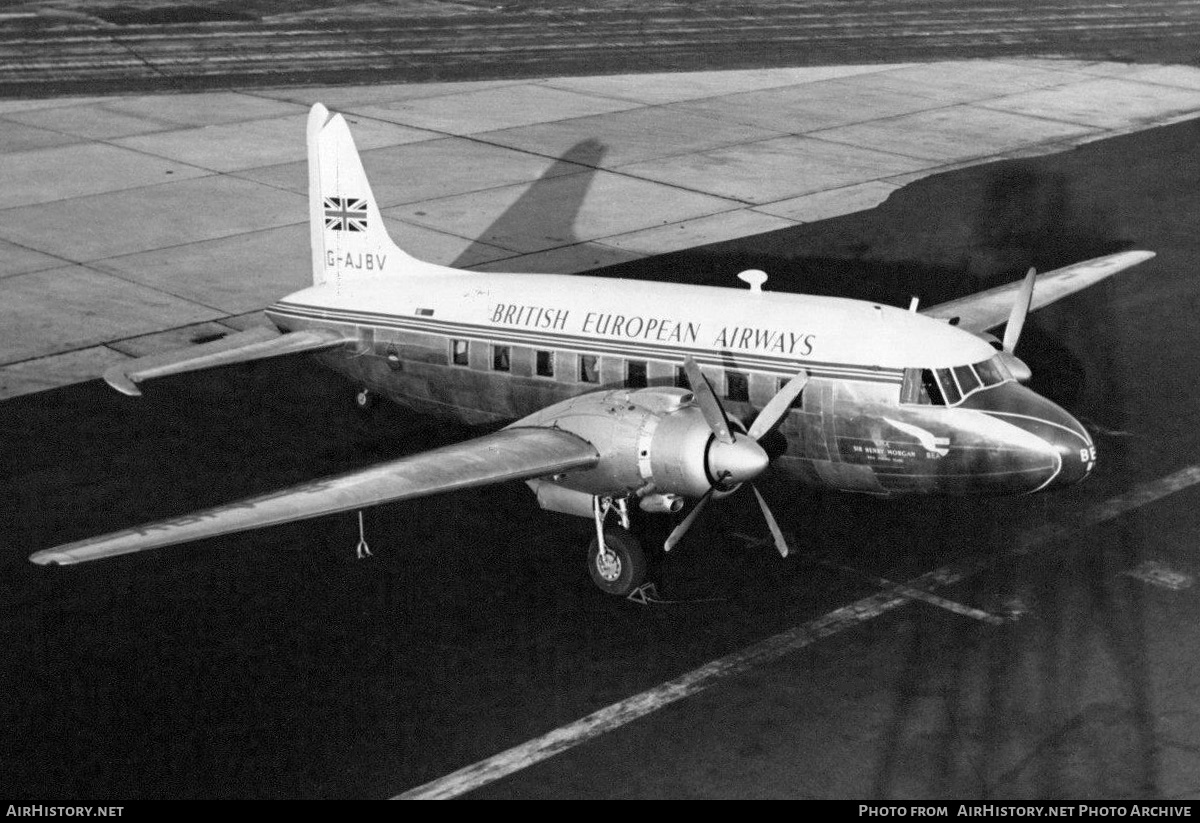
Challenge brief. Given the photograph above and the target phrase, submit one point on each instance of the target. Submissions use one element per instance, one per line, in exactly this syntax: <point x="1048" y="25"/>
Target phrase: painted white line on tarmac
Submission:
<point x="944" y="603"/>
<point x="625" y="711"/>
<point x="918" y="594"/>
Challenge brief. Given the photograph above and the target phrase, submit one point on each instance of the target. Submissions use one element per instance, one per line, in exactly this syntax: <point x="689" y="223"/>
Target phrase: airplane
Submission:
<point x="613" y="399"/>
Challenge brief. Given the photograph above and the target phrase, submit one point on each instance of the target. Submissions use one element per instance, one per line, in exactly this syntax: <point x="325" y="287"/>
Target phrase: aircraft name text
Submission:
<point x="640" y="328"/>
<point x="660" y="329"/>
<point x="740" y="337"/>
<point x="533" y="317"/>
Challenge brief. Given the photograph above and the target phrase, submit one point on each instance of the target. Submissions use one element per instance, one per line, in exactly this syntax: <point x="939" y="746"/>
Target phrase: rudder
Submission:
<point x="349" y="239"/>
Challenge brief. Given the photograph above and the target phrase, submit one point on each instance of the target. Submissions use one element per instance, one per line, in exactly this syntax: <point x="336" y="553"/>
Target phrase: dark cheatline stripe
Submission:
<point x="780" y="366"/>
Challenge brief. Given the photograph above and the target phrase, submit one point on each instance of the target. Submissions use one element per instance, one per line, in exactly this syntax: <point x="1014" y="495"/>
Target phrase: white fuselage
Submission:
<point x="491" y="348"/>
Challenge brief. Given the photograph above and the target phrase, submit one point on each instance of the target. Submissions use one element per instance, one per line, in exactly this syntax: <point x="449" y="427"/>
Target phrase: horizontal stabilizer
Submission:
<point x="988" y="309"/>
<point x="510" y="454"/>
<point x="254" y="344"/>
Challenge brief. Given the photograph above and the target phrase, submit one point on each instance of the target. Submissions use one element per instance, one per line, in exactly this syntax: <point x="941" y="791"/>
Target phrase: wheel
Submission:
<point x="622" y="567"/>
<point x="365" y="399"/>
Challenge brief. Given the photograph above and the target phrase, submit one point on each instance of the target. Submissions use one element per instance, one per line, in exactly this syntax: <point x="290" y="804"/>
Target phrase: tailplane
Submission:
<point x="349" y="239"/>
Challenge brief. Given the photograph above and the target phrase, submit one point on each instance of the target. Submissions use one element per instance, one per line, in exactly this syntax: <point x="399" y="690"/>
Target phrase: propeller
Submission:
<point x="1016" y="323"/>
<point x="733" y="460"/>
<point x="1020" y="310"/>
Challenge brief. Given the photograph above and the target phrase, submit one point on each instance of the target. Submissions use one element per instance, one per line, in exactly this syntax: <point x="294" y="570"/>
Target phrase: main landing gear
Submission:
<point x="616" y="561"/>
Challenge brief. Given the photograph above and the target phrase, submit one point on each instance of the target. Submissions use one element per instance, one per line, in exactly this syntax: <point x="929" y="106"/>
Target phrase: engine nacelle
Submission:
<point x="653" y="442"/>
<point x="554" y="498"/>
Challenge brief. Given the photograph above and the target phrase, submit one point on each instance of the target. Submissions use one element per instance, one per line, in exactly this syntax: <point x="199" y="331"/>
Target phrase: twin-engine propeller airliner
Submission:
<point x="617" y="397"/>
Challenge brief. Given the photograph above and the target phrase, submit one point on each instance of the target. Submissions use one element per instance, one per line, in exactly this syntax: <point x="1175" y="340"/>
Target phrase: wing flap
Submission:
<point x="510" y="454"/>
<point x="988" y="309"/>
<point x="253" y="344"/>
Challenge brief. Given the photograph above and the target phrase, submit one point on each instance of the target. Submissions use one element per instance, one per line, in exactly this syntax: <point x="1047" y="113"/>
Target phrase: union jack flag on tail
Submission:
<point x="345" y="213"/>
<point x="347" y="235"/>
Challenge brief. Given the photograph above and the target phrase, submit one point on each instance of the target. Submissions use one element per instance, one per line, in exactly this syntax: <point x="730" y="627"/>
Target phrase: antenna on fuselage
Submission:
<point x="753" y="278"/>
<point x="913" y="303"/>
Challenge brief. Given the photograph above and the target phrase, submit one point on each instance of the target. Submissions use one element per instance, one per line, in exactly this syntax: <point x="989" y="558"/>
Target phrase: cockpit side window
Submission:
<point x="930" y="386"/>
<point x="920" y="388"/>
<point x="967" y="380"/>
<point x="949" y="387"/>
<point x="992" y="372"/>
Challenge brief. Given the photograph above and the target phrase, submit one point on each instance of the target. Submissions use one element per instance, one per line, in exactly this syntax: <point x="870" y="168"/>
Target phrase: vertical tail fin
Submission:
<point x="349" y="239"/>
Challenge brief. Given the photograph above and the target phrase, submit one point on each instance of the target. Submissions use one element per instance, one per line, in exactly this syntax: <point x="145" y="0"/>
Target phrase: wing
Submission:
<point x="987" y="309"/>
<point x="509" y="454"/>
<point x="254" y="344"/>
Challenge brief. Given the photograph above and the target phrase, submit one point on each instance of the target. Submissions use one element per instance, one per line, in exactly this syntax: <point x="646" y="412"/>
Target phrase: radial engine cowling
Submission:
<point x="651" y="441"/>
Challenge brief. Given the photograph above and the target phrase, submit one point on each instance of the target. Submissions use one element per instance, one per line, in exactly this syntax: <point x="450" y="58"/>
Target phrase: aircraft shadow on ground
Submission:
<point x="569" y="177"/>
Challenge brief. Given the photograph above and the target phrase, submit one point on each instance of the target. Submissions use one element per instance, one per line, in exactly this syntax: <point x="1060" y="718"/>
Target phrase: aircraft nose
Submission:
<point x="1075" y="446"/>
<point x="1045" y="446"/>
<point x="1063" y="435"/>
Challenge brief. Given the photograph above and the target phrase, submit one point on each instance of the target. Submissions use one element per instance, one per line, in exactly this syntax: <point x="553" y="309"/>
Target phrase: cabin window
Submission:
<point x="459" y="352"/>
<point x="737" y="386"/>
<point x="501" y="358"/>
<point x="967" y="381"/>
<point x="589" y="368"/>
<point x="635" y="374"/>
<point x="545" y="364"/>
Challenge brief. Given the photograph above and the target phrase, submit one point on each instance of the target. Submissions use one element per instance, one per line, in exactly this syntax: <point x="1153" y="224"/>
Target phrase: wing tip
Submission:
<point x="119" y="379"/>
<point x="50" y="557"/>
<point x="1133" y="255"/>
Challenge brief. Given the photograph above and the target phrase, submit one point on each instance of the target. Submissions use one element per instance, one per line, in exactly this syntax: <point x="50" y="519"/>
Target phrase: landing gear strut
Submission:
<point x="616" y="561"/>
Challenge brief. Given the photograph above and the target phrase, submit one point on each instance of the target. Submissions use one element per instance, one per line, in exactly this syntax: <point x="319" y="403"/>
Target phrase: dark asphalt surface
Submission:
<point x="123" y="48"/>
<point x="273" y="664"/>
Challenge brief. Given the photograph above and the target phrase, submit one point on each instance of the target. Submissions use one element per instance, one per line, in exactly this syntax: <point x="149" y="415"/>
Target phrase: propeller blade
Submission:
<point x="709" y="405"/>
<point x="1016" y="318"/>
<point x="780" y="543"/>
<point x="774" y="411"/>
<point x="675" y="536"/>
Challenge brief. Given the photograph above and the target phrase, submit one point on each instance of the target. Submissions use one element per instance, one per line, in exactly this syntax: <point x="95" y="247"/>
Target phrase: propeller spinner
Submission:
<point x="733" y="460"/>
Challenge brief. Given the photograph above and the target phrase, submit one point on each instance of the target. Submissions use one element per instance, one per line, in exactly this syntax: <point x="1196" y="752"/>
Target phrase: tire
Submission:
<point x="624" y="567"/>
